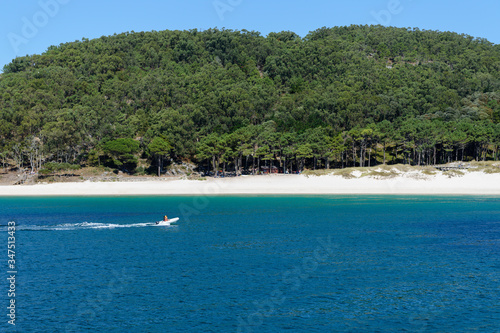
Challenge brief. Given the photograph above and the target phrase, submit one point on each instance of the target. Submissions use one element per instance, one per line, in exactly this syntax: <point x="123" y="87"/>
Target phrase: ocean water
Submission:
<point x="254" y="264"/>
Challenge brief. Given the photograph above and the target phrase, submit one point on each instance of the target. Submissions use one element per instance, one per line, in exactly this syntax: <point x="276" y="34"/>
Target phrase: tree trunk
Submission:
<point x="384" y="153"/>
<point x="159" y="166"/>
<point x="361" y="156"/>
<point x="353" y="155"/>
<point x="240" y="164"/>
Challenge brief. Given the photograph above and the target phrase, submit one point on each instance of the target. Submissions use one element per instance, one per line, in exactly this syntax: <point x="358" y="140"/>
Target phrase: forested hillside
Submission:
<point x="358" y="95"/>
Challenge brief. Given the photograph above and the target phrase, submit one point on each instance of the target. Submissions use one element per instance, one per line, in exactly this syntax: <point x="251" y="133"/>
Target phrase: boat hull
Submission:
<point x="168" y="222"/>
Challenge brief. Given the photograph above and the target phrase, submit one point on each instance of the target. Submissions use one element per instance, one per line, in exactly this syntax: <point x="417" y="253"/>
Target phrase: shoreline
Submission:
<point x="471" y="183"/>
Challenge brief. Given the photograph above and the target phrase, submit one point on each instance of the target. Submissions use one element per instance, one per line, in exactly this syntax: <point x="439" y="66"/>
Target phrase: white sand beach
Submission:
<point x="414" y="182"/>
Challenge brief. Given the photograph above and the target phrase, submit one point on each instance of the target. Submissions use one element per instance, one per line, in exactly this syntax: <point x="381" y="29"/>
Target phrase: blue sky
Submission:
<point x="31" y="26"/>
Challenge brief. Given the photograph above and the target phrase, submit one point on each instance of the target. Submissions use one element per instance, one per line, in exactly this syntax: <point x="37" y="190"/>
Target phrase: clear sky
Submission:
<point x="31" y="26"/>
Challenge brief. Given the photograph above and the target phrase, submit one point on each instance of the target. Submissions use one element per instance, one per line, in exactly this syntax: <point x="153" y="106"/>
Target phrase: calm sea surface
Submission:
<point x="254" y="264"/>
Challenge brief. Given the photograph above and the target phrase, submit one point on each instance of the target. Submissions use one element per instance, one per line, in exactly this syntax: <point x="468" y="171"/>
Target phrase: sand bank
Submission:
<point x="471" y="183"/>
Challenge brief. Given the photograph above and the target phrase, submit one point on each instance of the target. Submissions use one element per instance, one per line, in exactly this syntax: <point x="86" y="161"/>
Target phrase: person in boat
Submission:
<point x="165" y="219"/>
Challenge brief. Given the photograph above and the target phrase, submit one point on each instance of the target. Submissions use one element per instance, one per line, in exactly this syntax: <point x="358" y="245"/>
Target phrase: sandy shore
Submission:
<point x="472" y="183"/>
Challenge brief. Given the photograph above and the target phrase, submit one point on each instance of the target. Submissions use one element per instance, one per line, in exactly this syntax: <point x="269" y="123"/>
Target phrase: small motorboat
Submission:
<point x="168" y="222"/>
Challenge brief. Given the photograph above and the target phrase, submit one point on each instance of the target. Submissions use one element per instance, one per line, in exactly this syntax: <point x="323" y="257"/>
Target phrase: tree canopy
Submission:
<point x="341" y="96"/>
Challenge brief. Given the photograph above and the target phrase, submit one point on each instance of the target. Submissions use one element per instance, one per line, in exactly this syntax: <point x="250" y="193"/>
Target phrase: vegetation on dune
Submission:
<point x="235" y="100"/>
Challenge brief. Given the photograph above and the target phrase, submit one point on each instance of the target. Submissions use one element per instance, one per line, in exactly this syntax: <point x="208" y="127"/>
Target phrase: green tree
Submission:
<point x="121" y="151"/>
<point x="210" y="148"/>
<point x="304" y="151"/>
<point x="159" y="148"/>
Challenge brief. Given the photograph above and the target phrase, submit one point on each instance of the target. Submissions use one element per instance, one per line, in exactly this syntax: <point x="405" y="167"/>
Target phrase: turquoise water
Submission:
<point x="255" y="264"/>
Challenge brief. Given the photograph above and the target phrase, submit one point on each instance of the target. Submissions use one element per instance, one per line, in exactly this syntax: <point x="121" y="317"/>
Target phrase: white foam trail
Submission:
<point x="86" y="225"/>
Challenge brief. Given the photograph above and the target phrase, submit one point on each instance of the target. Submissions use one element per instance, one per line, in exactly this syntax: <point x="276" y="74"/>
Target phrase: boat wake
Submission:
<point x="85" y="225"/>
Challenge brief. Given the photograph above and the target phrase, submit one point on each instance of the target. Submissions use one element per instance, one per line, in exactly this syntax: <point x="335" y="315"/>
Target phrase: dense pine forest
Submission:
<point x="239" y="101"/>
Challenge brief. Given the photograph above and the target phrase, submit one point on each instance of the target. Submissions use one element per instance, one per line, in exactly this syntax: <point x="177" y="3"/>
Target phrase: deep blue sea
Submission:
<point x="253" y="264"/>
